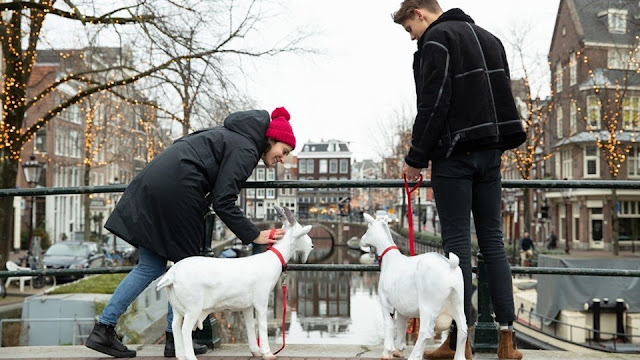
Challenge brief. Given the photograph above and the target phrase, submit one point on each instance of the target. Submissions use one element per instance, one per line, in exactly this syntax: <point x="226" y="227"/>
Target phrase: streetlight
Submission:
<point x="115" y="197"/>
<point x="511" y="206"/>
<point x="32" y="171"/>
<point x="566" y="195"/>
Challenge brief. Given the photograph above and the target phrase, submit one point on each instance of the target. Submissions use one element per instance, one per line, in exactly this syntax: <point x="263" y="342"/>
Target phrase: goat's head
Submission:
<point x="301" y="244"/>
<point x="377" y="235"/>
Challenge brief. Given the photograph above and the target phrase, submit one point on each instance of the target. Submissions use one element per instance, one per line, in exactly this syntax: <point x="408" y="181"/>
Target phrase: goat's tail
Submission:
<point x="454" y="261"/>
<point x="166" y="280"/>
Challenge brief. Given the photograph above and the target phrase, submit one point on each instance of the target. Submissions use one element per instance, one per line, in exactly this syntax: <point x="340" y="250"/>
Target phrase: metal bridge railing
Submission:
<point x="486" y="338"/>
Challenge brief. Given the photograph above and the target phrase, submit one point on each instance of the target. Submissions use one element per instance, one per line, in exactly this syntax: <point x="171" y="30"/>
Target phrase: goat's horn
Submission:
<point x="280" y="213"/>
<point x="289" y="215"/>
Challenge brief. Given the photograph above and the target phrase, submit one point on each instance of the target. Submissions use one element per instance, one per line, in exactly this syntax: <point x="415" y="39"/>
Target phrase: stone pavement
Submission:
<point x="298" y="352"/>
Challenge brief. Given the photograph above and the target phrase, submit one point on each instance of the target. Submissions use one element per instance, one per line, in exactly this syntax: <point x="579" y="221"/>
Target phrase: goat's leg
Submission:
<point x="188" y="322"/>
<point x="176" y="328"/>
<point x="261" y="313"/>
<point x="427" y="323"/>
<point x="251" y="331"/>
<point x="401" y="337"/>
<point x="387" y="319"/>
<point x="457" y="314"/>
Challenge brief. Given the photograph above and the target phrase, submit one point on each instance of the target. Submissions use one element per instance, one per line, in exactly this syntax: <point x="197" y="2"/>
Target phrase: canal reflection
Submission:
<point x="323" y="307"/>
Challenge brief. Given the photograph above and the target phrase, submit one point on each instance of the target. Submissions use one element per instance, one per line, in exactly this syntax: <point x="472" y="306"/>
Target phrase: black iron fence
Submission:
<point x="486" y="338"/>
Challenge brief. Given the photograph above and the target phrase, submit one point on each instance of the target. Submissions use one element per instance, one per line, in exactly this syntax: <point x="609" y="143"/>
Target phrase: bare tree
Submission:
<point x="20" y="32"/>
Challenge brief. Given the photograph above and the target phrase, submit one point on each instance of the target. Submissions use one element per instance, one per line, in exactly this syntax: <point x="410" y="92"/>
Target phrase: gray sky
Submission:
<point x="365" y="75"/>
<point x="363" y="78"/>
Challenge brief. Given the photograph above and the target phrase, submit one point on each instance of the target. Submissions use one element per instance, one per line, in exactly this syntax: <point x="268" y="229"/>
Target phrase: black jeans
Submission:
<point x="470" y="182"/>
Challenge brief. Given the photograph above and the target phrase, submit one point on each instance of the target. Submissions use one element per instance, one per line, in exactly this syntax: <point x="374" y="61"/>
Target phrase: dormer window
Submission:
<point x="617" y="20"/>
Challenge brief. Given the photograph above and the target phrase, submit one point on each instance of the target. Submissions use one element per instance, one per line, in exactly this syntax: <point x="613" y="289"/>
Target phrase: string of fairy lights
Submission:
<point x="611" y="102"/>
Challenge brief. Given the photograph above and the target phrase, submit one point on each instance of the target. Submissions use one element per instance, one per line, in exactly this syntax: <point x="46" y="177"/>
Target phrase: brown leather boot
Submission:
<point x="447" y="350"/>
<point x="507" y="346"/>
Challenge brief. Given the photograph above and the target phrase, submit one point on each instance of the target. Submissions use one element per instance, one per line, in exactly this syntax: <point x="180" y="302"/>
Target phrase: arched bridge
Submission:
<point x="338" y="232"/>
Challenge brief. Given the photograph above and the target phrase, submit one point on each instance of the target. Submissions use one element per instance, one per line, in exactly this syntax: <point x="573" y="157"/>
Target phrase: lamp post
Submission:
<point x="32" y="170"/>
<point x="566" y="195"/>
<point x="511" y="201"/>
<point x="116" y="197"/>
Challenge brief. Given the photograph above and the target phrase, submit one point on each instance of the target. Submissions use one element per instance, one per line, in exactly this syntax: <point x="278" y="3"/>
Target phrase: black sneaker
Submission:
<point x="170" y="347"/>
<point x="103" y="338"/>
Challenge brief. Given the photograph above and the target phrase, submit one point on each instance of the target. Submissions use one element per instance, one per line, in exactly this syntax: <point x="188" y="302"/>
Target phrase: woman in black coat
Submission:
<point x="162" y="211"/>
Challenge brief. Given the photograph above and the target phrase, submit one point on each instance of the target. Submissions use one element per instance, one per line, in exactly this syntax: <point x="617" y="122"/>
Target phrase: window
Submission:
<point x="344" y="166"/>
<point x="271" y="174"/>
<point x="302" y="166"/>
<point x="559" y="77"/>
<point x="333" y="166"/>
<point x="633" y="163"/>
<point x="630" y="112"/>
<point x="322" y="166"/>
<point x="618" y="58"/>
<point x="310" y="169"/>
<point x="41" y="140"/>
<point x="573" y="69"/>
<point x="271" y="193"/>
<point x="573" y="127"/>
<point x="617" y="20"/>
<point x="559" y="122"/>
<point x="74" y="144"/>
<point x="260" y="193"/>
<point x="260" y="174"/>
<point x="593" y="112"/>
<point x="591" y="161"/>
<point x="567" y="164"/>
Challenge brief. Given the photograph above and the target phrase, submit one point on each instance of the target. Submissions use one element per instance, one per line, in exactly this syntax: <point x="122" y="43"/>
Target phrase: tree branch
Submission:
<point x="104" y="19"/>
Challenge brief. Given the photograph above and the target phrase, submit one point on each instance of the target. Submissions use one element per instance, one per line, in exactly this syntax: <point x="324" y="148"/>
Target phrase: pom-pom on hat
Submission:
<point x="279" y="128"/>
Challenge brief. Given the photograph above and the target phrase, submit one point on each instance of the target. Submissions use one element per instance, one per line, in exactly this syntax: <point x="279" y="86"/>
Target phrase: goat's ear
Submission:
<point x="303" y="231"/>
<point x="369" y="219"/>
<point x="280" y="213"/>
<point x="289" y="216"/>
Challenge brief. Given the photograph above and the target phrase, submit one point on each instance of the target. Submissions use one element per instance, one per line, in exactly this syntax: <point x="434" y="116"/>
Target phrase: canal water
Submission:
<point x="323" y="307"/>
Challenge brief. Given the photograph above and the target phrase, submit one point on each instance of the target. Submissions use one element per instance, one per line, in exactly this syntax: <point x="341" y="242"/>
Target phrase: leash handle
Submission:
<point x="409" y="210"/>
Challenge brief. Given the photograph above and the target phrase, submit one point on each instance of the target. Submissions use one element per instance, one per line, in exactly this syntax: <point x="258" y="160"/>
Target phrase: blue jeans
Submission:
<point x="149" y="268"/>
<point x="471" y="182"/>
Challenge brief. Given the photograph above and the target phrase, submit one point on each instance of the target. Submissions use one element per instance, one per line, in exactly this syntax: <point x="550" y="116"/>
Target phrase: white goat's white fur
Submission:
<point x="427" y="286"/>
<point x="198" y="286"/>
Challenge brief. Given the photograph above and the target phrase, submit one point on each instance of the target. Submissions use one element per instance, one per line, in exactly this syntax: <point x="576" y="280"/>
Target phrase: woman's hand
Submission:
<point x="263" y="238"/>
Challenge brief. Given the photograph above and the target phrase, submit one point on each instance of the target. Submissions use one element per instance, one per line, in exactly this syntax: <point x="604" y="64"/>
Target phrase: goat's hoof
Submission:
<point x="269" y="356"/>
<point x="386" y="357"/>
<point x="256" y="354"/>
<point x="397" y="353"/>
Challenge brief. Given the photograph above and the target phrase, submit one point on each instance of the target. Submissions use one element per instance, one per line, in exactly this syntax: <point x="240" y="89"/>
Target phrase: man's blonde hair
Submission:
<point x="406" y="9"/>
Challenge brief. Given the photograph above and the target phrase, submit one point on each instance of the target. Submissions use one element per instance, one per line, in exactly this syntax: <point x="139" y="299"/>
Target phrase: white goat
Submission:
<point x="198" y="286"/>
<point x="426" y="286"/>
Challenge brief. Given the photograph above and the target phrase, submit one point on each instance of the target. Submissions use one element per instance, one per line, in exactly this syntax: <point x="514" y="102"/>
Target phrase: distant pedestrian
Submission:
<point x="527" y="248"/>
<point x="466" y="117"/>
<point x="553" y="242"/>
<point x="162" y="211"/>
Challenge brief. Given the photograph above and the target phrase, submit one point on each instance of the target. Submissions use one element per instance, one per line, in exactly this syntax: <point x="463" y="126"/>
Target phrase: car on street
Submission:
<point x="72" y="255"/>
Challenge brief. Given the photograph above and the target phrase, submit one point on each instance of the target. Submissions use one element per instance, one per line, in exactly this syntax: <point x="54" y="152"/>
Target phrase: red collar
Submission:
<point x="385" y="252"/>
<point x="279" y="255"/>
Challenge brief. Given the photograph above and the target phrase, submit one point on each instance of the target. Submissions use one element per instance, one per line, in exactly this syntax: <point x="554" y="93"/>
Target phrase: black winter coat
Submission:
<point x="463" y="92"/>
<point x="163" y="208"/>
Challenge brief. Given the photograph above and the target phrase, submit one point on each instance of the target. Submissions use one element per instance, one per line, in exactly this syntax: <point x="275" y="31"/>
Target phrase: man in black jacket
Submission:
<point x="466" y="118"/>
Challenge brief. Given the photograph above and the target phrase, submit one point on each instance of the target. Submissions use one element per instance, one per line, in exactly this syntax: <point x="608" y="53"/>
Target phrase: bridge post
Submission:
<point x="209" y="333"/>
<point x="486" y="333"/>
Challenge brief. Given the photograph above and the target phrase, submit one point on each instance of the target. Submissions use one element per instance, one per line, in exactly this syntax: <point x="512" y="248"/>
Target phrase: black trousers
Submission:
<point x="465" y="183"/>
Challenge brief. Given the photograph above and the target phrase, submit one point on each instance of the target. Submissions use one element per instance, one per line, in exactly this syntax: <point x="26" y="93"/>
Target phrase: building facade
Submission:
<point x="324" y="160"/>
<point x="594" y="121"/>
<point x="101" y="140"/>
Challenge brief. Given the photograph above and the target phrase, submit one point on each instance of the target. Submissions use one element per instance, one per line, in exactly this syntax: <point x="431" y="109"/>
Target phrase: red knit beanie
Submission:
<point x="279" y="129"/>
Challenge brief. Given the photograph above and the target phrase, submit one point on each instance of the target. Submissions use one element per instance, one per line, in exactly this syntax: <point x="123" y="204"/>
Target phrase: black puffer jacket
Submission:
<point x="163" y="208"/>
<point x="463" y="91"/>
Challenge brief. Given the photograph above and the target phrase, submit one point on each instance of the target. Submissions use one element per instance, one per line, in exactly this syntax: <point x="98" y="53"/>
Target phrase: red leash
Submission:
<point x="284" y="289"/>
<point x="412" y="251"/>
<point x="410" y="213"/>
